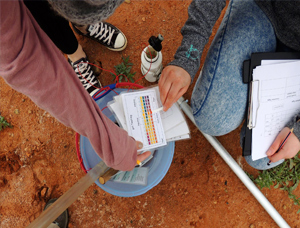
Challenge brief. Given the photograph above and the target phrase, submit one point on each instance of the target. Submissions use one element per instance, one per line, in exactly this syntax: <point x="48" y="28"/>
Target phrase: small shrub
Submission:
<point x="4" y="124"/>
<point x="122" y="71"/>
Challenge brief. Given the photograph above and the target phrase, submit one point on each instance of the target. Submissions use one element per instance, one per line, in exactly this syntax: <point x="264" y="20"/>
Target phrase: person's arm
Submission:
<point x="292" y="145"/>
<point x="177" y="76"/>
<point x="31" y="64"/>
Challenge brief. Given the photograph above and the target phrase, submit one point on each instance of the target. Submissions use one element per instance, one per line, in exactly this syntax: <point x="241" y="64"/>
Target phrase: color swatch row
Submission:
<point x="148" y="120"/>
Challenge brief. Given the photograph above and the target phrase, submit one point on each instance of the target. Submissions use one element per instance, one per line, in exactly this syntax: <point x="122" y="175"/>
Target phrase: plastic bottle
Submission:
<point x="152" y="59"/>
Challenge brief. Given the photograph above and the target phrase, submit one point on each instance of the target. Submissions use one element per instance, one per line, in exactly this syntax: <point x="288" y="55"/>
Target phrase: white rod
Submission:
<point x="237" y="169"/>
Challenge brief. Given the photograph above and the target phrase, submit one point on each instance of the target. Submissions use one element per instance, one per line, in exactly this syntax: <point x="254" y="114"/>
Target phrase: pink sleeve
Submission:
<point x="31" y="64"/>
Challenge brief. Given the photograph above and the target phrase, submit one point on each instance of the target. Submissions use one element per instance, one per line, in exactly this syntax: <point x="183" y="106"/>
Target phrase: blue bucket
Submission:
<point x="158" y="165"/>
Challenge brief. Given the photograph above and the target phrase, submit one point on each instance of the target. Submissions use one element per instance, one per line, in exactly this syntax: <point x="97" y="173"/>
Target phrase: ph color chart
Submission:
<point x="148" y="120"/>
<point x="142" y="124"/>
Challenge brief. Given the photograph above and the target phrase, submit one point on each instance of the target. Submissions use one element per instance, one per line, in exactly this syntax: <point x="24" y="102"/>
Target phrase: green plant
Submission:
<point x="4" y="124"/>
<point x="122" y="71"/>
<point x="285" y="177"/>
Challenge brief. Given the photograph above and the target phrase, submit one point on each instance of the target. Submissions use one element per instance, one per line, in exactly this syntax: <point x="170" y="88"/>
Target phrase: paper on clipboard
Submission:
<point x="278" y="99"/>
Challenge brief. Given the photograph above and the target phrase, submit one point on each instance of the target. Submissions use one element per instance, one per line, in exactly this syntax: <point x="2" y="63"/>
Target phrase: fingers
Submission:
<point x="174" y="93"/>
<point x="279" y="139"/>
<point x="289" y="149"/>
<point x="173" y="83"/>
<point x="143" y="156"/>
<point x="164" y="85"/>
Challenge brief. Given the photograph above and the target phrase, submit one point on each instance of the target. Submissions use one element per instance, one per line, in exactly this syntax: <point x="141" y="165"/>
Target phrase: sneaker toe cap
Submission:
<point x="120" y="42"/>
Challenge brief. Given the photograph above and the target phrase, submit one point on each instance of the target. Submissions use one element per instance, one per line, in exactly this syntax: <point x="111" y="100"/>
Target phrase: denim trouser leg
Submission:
<point x="219" y="97"/>
<point x="261" y="164"/>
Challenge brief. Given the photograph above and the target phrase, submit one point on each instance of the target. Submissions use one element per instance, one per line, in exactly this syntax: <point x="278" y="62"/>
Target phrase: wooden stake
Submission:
<point x="107" y="175"/>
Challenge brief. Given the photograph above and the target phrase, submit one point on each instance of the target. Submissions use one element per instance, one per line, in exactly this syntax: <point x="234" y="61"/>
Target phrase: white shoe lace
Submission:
<point x="102" y="30"/>
<point x="86" y="74"/>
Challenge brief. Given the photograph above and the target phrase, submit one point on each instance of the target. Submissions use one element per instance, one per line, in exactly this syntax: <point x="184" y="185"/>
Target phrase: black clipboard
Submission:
<point x="248" y="67"/>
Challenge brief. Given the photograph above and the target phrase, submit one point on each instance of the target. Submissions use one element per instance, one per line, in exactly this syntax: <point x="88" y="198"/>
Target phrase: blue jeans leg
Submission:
<point x="261" y="164"/>
<point x="219" y="96"/>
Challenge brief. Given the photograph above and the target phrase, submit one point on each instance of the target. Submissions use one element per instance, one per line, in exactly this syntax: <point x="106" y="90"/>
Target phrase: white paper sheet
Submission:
<point x="142" y="124"/>
<point x="117" y="107"/>
<point x="174" y="123"/>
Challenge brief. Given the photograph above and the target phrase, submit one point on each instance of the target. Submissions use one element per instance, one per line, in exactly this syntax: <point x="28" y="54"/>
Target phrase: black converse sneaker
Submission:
<point x="86" y="75"/>
<point x="106" y="34"/>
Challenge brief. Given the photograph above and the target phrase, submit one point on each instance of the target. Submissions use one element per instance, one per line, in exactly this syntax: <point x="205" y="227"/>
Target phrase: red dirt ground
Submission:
<point x="38" y="156"/>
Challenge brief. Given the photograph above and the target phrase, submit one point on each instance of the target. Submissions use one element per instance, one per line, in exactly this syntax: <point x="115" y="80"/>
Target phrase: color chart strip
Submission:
<point x="148" y="120"/>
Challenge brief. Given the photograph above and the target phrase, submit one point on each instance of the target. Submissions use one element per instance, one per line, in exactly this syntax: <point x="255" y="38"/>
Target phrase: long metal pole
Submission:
<point x="237" y="169"/>
<point x="63" y="202"/>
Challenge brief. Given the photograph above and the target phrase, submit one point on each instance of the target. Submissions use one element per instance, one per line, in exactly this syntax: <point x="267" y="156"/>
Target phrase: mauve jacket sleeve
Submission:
<point x="31" y="64"/>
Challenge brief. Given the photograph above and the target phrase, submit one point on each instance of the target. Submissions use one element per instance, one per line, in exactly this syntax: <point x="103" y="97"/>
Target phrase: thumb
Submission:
<point x="139" y="145"/>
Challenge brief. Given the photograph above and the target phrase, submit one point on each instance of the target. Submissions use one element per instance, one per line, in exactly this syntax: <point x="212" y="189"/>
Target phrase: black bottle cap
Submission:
<point x="155" y="42"/>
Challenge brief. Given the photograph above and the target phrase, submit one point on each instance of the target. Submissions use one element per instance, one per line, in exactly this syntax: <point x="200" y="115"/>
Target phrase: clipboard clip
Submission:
<point x="253" y="108"/>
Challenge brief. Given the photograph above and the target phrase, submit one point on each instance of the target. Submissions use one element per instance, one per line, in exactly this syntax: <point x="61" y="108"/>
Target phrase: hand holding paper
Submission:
<point x="173" y="83"/>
